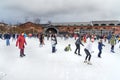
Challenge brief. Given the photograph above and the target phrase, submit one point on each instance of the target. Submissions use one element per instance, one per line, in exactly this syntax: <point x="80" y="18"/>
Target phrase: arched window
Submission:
<point x="118" y="24"/>
<point x="74" y="28"/>
<point x="95" y="24"/>
<point x="103" y="24"/>
<point x="111" y="24"/>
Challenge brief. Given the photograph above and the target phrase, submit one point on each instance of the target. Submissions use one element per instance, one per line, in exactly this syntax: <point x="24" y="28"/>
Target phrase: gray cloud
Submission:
<point x="63" y="9"/>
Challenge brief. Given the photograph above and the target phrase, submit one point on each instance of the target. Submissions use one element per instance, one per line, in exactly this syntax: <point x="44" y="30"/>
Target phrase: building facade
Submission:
<point x="93" y="27"/>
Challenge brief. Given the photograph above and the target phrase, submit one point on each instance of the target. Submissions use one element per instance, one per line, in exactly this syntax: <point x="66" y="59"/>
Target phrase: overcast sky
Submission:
<point x="13" y="11"/>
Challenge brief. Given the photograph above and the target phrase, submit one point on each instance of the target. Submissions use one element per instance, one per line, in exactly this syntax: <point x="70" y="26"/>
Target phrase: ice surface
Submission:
<point x="41" y="64"/>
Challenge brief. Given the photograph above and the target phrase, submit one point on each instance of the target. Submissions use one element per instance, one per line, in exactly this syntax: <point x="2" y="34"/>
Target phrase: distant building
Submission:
<point x="3" y="24"/>
<point x="93" y="27"/>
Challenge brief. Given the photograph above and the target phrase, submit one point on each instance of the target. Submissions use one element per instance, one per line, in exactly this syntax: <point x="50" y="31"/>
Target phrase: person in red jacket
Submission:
<point x="20" y="42"/>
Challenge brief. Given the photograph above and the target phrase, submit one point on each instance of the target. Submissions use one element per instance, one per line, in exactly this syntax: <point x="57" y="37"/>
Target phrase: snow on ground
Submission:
<point x="41" y="64"/>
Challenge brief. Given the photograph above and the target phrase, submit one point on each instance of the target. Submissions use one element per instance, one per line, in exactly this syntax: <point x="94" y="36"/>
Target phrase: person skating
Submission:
<point x="7" y="37"/>
<point x="88" y="50"/>
<point x="53" y="42"/>
<point x="112" y="42"/>
<point x="21" y="41"/>
<point x="41" y="39"/>
<point x="78" y="43"/>
<point x="119" y="41"/>
<point x="100" y="45"/>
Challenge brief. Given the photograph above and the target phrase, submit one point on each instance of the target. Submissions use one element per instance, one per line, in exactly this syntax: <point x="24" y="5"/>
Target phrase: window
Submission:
<point x="96" y="24"/>
<point x="103" y="24"/>
<point x="111" y="24"/>
<point x="118" y="24"/>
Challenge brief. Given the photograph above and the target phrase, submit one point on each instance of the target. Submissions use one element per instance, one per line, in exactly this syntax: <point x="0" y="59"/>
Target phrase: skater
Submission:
<point x="54" y="43"/>
<point x="21" y="41"/>
<point x="41" y="39"/>
<point x="119" y="41"/>
<point x="100" y="45"/>
<point x="13" y="37"/>
<point x="77" y="43"/>
<point x="88" y="50"/>
<point x="112" y="42"/>
<point x="7" y="37"/>
<point x="68" y="48"/>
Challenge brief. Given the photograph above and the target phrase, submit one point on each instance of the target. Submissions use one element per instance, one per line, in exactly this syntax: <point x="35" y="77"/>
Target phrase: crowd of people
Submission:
<point x="79" y="40"/>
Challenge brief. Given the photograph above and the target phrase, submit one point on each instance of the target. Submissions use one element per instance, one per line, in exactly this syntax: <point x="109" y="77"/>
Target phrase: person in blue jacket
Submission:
<point x="7" y="36"/>
<point x="100" y="45"/>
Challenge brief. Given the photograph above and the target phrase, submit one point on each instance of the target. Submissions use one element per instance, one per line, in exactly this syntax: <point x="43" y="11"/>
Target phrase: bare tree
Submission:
<point x="37" y="20"/>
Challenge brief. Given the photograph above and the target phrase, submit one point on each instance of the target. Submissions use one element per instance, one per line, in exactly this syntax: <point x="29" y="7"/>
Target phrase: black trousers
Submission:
<point x="112" y="47"/>
<point x="22" y="52"/>
<point x="77" y="48"/>
<point x="88" y="55"/>
<point x="100" y="51"/>
<point x="53" y="49"/>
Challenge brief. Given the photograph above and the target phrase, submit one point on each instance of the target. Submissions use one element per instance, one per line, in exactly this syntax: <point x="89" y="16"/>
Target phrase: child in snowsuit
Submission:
<point x="67" y="48"/>
<point x="100" y="45"/>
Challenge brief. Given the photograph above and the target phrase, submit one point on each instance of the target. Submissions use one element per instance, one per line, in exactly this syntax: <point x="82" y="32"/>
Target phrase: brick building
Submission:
<point x="93" y="27"/>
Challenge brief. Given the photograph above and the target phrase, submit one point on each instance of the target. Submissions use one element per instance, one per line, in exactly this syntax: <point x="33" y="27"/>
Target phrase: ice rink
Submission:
<point x="41" y="64"/>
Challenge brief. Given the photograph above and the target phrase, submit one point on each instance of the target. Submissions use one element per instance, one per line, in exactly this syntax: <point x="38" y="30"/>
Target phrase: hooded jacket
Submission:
<point x="21" y="41"/>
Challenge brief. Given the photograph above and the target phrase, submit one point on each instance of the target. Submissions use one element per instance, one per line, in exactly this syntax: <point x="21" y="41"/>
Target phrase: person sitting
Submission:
<point x="68" y="48"/>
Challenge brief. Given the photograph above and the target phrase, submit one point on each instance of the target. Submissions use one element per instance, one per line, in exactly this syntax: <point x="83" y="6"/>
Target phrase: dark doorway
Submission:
<point x="51" y="30"/>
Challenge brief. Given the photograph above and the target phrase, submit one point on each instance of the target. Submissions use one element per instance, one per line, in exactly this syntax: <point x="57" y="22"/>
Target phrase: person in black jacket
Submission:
<point x="77" y="43"/>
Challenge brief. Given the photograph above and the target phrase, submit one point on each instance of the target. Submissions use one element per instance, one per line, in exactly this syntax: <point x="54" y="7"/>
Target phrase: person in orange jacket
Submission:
<point x="20" y="43"/>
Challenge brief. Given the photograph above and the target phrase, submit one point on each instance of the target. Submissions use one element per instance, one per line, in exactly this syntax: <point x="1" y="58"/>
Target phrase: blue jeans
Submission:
<point x="7" y="42"/>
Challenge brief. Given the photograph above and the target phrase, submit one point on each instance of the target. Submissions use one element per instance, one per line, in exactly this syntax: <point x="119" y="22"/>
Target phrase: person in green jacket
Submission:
<point x="68" y="48"/>
<point x="112" y="42"/>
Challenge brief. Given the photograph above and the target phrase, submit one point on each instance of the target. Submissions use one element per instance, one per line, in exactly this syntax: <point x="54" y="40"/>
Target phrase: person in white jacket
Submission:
<point x="88" y="50"/>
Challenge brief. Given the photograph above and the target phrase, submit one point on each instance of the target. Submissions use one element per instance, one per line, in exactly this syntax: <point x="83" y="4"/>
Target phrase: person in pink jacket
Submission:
<point x="20" y="43"/>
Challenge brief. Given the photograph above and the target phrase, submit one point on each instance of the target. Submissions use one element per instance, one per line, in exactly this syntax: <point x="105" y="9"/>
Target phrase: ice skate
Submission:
<point x="89" y="63"/>
<point x="24" y="55"/>
<point x="21" y="55"/>
<point x="79" y="54"/>
<point x="99" y="57"/>
<point x="112" y="51"/>
<point x="85" y="61"/>
<point x="75" y="52"/>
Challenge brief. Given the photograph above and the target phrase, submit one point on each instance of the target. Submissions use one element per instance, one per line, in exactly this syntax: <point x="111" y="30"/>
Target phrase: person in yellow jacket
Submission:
<point x="68" y="48"/>
<point x="119" y="41"/>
